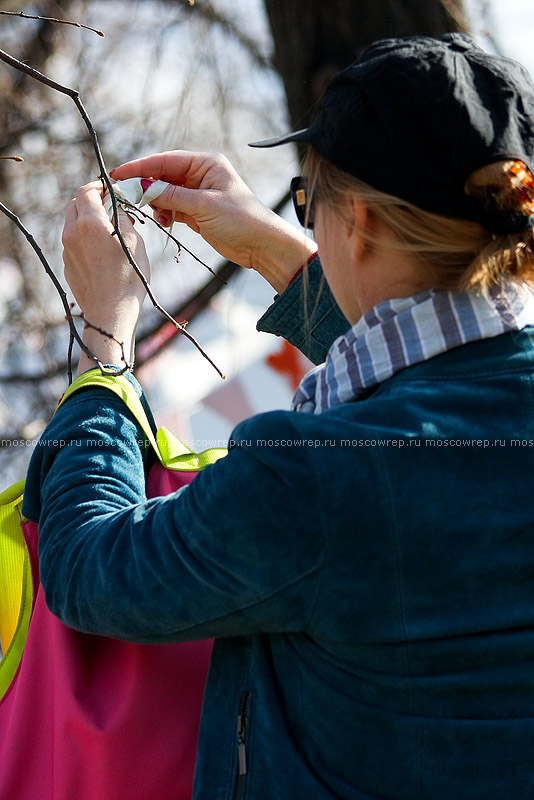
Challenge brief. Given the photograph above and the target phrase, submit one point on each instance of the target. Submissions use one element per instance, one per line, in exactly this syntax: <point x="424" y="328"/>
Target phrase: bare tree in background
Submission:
<point x="207" y="76"/>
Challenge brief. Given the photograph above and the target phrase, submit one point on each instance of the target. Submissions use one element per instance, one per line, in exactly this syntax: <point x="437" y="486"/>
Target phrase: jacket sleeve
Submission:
<point x="224" y="556"/>
<point x="306" y="314"/>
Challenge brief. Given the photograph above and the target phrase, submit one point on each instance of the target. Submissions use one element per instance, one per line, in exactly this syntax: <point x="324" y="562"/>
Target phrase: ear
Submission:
<point x="359" y="226"/>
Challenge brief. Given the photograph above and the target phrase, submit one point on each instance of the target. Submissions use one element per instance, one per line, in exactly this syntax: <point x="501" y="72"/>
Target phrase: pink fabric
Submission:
<point x="161" y="481"/>
<point x="90" y="718"/>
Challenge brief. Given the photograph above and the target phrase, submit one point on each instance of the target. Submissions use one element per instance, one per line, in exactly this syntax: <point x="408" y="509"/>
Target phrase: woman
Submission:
<point x="365" y="561"/>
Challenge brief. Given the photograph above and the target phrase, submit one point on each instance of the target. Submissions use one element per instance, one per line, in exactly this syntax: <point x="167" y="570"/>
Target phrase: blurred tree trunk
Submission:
<point x="314" y="39"/>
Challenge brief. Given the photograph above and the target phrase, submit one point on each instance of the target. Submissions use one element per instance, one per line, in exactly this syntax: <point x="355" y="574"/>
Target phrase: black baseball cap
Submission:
<point x="415" y="116"/>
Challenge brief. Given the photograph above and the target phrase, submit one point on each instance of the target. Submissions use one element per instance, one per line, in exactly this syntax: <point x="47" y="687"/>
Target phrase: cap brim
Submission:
<point x="298" y="136"/>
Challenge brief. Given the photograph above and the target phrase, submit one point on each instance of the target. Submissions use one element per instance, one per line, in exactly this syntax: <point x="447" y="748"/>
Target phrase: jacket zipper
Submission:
<point x="241" y="743"/>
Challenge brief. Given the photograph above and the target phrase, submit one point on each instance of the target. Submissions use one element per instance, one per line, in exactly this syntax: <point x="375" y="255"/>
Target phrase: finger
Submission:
<point x="89" y="203"/>
<point x="167" y="218"/>
<point x="92" y="185"/>
<point x="171" y="166"/>
<point x="180" y="202"/>
<point x="89" y="196"/>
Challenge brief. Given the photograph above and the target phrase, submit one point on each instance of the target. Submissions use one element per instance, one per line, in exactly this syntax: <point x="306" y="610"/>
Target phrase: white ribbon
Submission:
<point x="131" y="191"/>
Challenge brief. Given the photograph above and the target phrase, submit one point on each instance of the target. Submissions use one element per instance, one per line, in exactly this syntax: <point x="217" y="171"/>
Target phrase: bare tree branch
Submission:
<point x="73" y="332"/>
<point x="152" y="341"/>
<point x="142" y="215"/>
<point x="74" y="95"/>
<point x="51" y="19"/>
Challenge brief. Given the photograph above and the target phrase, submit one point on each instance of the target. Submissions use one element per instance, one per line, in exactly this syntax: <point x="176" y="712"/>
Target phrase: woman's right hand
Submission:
<point x="209" y="196"/>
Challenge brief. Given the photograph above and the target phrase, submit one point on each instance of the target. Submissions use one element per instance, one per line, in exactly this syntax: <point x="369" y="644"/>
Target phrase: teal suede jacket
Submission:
<point x="367" y="573"/>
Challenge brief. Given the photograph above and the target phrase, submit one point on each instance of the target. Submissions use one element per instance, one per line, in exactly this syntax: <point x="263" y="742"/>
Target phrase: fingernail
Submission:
<point x="162" y="219"/>
<point x="145" y="183"/>
<point x="112" y="171"/>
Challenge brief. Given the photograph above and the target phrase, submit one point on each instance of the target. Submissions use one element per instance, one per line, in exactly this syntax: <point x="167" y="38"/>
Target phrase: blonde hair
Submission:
<point x="457" y="253"/>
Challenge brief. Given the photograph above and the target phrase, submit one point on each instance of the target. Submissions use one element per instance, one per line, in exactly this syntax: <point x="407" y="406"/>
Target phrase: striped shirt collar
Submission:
<point x="405" y="331"/>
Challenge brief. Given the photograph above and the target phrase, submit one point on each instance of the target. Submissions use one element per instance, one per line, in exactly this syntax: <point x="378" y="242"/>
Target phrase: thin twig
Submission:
<point x="52" y="19"/>
<point x="69" y="357"/>
<point x="152" y="342"/>
<point x="29" y="237"/>
<point x="145" y="343"/>
<point x="75" y="97"/>
<point x="107" y="335"/>
<point x="105" y="178"/>
<point x="179" y="244"/>
<point x="148" y="289"/>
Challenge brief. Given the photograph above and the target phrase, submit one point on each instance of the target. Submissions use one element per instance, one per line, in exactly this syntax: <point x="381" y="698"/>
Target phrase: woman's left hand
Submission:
<point x="103" y="281"/>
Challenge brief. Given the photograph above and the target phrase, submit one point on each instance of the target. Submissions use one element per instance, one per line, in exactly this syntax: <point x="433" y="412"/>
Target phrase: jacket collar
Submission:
<point x="402" y="332"/>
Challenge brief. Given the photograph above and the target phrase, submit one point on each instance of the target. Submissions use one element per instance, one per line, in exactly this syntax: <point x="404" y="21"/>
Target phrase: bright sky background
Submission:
<point x="512" y="27"/>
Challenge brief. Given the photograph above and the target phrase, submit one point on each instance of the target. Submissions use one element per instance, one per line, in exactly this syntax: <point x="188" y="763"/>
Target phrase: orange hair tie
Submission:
<point x="523" y="180"/>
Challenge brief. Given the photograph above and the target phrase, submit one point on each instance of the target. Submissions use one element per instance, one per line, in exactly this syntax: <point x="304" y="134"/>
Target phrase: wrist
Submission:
<point x="106" y="350"/>
<point x="303" y="266"/>
<point x="109" y="338"/>
<point x="286" y="251"/>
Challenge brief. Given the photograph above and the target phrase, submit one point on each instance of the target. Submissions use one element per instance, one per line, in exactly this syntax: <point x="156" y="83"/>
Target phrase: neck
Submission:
<point x="384" y="275"/>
